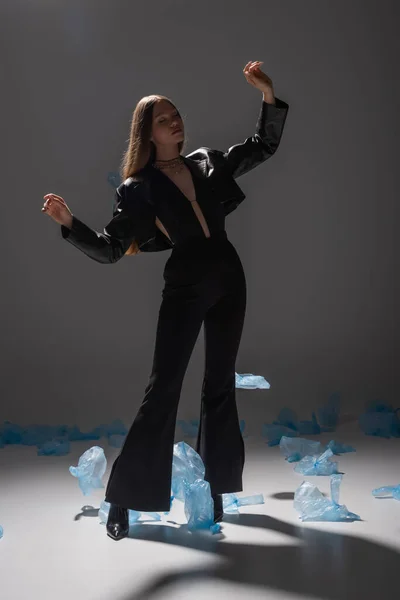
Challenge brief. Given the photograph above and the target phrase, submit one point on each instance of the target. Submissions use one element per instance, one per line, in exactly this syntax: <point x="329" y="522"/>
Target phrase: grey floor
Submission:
<point x="51" y="550"/>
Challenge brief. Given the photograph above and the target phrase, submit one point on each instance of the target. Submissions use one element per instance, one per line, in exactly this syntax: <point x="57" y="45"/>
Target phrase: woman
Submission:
<point x="171" y="201"/>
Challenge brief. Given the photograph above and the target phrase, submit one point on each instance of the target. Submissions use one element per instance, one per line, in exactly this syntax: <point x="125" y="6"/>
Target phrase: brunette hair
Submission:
<point x="141" y="150"/>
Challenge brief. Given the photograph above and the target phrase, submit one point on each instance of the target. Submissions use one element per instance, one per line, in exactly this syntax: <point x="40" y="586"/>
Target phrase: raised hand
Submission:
<point x="256" y="77"/>
<point x="57" y="209"/>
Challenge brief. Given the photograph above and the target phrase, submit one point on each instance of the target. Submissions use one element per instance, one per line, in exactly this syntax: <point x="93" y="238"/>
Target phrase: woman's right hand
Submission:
<point x="57" y="209"/>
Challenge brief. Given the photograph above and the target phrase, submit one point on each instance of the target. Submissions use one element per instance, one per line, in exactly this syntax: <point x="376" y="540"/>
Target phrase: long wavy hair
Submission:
<point x="141" y="150"/>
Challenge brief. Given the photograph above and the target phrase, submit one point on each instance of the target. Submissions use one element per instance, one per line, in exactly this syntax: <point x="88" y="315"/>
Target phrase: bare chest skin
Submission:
<point x="184" y="181"/>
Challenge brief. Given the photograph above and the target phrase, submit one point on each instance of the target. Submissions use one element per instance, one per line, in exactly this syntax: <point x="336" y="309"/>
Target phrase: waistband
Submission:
<point x="202" y="243"/>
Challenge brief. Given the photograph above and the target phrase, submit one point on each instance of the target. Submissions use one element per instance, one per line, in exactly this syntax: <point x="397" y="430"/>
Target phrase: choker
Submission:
<point x="174" y="163"/>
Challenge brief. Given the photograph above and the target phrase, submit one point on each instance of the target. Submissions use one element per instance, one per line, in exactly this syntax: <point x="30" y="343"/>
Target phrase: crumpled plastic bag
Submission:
<point x="1" y="532"/>
<point x="339" y="448"/>
<point x="91" y="467"/>
<point x="189" y="486"/>
<point x="274" y="433"/>
<point x="50" y="440"/>
<point x="33" y="435"/>
<point x="199" y="510"/>
<point x="380" y="420"/>
<point x="54" y="447"/>
<point x="313" y="506"/>
<point x="199" y="507"/>
<point x="294" y="449"/>
<point x="248" y="381"/>
<point x="288" y="418"/>
<point x="328" y="415"/>
<point x="187" y="467"/>
<point x="314" y="465"/>
<point x="231" y="501"/>
<point x="388" y="491"/>
<point x="309" y="427"/>
<point x="288" y="425"/>
<point x="54" y="439"/>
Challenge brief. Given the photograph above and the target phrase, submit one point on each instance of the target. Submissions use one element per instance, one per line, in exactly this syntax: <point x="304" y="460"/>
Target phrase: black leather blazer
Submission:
<point x="134" y="214"/>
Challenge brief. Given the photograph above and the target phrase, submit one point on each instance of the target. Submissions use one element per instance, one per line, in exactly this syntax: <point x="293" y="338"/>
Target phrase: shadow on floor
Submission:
<point x="318" y="564"/>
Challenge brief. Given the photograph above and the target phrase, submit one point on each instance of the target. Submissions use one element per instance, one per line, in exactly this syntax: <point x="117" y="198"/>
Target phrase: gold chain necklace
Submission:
<point x="176" y="164"/>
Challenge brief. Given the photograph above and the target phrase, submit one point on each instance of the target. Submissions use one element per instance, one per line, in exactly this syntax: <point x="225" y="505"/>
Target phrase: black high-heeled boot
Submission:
<point x="117" y="522"/>
<point x="218" y="507"/>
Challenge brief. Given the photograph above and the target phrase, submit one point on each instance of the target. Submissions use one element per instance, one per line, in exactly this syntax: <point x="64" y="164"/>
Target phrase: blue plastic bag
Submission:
<point x="339" y="448"/>
<point x="54" y="447"/>
<point x="199" y="507"/>
<point x="288" y="418"/>
<point x="91" y="467"/>
<point x="380" y="420"/>
<point x="189" y="486"/>
<point x="231" y="502"/>
<point x="309" y="427"/>
<point x="187" y="467"/>
<point x="275" y="432"/>
<point x="313" y="506"/>
<point x="294" y="449"/>
<point x="328" y="415"/>
<point x="248" y="381"/>
<point x="288" y="425"/>
<point x="388" y="491"/>
<point x="317" y="465"/>
<point x="54" y="439"/>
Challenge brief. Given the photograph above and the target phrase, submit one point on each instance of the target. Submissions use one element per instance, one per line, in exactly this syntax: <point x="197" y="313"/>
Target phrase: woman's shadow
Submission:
<point x="318" y="564"/>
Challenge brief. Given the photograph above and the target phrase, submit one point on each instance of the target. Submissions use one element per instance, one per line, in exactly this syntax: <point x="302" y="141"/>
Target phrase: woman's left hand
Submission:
<point x="256" y="77"/>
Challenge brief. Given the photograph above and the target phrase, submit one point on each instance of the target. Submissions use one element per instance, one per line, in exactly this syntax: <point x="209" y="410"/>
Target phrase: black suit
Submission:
<point x="204" y="283"/>
<point x="134" y="210"/>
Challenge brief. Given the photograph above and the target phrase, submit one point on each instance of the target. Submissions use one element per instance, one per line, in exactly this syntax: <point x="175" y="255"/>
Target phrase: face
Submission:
<point x="166" y="121"/>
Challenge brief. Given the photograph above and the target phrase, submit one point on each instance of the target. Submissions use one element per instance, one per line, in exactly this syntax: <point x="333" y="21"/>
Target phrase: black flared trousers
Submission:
<point x="204" y="284"/>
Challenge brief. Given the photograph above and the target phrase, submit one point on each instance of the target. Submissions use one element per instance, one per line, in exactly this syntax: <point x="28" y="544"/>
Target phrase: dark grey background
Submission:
<point x="317" y="233"/>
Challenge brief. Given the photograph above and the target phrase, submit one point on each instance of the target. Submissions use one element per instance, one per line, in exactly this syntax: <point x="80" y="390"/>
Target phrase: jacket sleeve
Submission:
<point x="242" y="157"/>
<point x="133" y="219"/>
